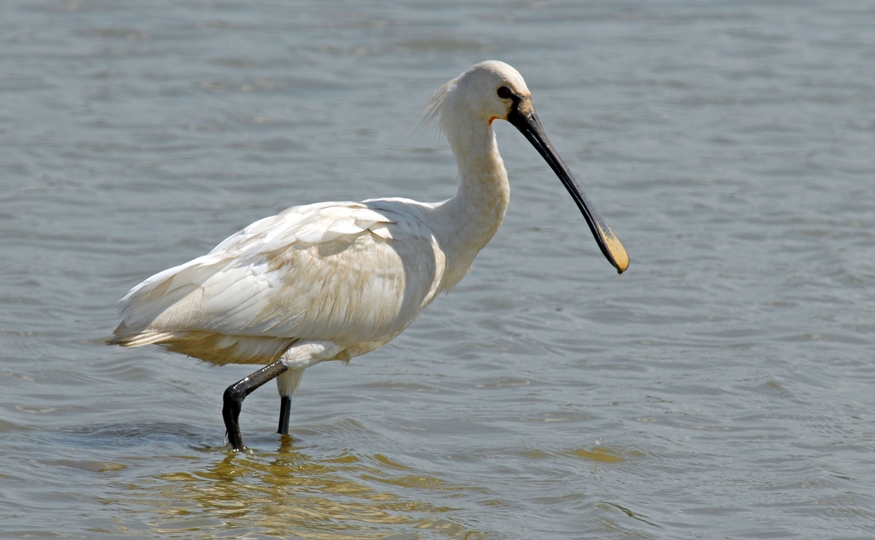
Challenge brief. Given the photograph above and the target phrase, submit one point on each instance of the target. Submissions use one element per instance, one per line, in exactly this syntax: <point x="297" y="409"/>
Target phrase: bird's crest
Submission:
<point x="431" y="111"/>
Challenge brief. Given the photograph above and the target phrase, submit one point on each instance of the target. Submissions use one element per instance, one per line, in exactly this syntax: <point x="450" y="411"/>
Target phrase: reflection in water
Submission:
<point x="289" y="493"/>
<point x="601" y="455"/>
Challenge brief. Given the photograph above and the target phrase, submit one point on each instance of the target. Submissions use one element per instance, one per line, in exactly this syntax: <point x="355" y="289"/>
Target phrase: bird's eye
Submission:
<point x="504" y="92"/>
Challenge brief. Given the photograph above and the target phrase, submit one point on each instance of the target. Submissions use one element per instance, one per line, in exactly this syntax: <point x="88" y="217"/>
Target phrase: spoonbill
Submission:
<point x="335" y="280"/>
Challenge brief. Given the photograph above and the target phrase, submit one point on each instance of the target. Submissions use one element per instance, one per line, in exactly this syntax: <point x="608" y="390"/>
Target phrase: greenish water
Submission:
<point x="721" y="388"/>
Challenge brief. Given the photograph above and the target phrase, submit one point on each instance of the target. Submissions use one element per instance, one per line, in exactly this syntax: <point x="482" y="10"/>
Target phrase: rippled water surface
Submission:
<point x="722" y="388"/>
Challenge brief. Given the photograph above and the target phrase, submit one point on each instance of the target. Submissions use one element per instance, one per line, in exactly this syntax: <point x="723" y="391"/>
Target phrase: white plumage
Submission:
<point x="355" y="274"/>
<point x="334" y="280"/>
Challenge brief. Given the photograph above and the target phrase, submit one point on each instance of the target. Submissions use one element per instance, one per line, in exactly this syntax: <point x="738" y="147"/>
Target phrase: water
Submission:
<point x="721" y="388"/>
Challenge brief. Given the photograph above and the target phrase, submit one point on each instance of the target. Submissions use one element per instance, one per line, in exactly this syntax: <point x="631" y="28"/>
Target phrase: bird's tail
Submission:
<point x="138" y="339"/>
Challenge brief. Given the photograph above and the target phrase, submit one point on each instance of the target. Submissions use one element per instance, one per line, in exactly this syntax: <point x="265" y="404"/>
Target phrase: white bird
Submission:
<point x="335" y="280"/>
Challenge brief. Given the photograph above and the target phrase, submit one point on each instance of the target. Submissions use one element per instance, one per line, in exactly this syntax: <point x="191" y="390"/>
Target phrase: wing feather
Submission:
<point x="344" y="272"/>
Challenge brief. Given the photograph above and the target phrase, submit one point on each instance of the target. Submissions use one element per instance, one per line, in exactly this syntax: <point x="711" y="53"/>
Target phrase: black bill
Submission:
<point x="529" y="125"/>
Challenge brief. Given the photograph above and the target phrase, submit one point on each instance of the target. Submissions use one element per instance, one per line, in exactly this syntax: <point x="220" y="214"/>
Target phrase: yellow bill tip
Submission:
<point x="616" y="253"/>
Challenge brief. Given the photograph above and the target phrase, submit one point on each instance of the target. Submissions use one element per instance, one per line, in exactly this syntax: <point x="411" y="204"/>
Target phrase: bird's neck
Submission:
<point x="473" y="216"/>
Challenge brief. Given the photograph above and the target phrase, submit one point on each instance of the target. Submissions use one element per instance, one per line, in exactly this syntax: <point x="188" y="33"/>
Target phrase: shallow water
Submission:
<point x="721" y="388"/>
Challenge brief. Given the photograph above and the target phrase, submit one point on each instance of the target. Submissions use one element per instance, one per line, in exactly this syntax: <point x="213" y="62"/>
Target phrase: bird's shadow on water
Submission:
<point x="177" y="477"/>
<point x="152" y="436"/>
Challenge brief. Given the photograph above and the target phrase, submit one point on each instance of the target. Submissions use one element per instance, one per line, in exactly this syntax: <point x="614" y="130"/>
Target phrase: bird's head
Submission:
<point x="493" y="90"/>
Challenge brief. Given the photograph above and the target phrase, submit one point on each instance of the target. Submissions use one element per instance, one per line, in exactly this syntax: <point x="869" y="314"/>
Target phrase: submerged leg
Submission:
<point x="237" y="392"/>
<point x="287" y="383"/>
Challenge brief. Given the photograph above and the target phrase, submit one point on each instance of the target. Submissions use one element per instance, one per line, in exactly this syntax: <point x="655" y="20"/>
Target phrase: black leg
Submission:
<point x="237" y="392"/>
<point x="285" y="411"/>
